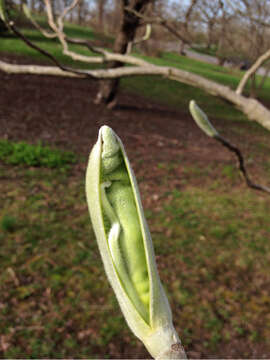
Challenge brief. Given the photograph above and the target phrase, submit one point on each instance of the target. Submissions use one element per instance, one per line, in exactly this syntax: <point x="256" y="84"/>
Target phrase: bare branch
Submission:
<point x="241" y="164"/>
<point x="159" y="20"/>
<point x="61" y="36"/>
<point x="53" y="35"/>
<point x="206" y="126"/>
<point x="236" y="10"/>
<point x="190" y="9"/>
<point x="138" y="41"/>
<point x="49" y="12"/>
<point x="252" y="108"/>
<point x="66" y="10"/>
<point x="106" y="55"/>
<point x="36" y="70"/>
<point x="58" y="30"/>
<point x="42" y="51"/>
<point x="188" y="14"/>
<point x="45" y="33"/>
<point x="258" y="63"/>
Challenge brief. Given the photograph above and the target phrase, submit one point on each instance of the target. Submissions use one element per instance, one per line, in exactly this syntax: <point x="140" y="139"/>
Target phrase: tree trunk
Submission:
<point x="22" y="2"/>
<point x="116" y="15"/>
<point x="54" y="7"/>
<point x="101" y="4"/>
<point x="128" y="24"/>
<point x="40" y="6"/>
<point x="253" y="87"/>
<point x="182" y="48"/>
<point x="32" y="5"/>
<point x="80" y="12"/>
<point x="210" y="35"/>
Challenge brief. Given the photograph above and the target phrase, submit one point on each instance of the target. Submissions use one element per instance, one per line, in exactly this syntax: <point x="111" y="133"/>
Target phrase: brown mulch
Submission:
<point x="61" y="111"/>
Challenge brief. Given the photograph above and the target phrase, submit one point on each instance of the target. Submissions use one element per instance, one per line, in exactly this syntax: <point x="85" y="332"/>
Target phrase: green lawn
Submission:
<point x="213" y="250"/>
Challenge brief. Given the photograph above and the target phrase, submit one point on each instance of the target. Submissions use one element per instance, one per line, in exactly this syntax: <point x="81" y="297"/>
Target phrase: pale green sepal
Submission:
<point x="201" y="119"/>
<point x="159" y="335"/>
<point x="93" y="194"/>
<point x="160" y="312"/>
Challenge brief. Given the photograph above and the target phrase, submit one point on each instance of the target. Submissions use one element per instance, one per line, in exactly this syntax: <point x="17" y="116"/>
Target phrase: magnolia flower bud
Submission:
<point x="201" y="119"/>
<point x="126" y="247"/>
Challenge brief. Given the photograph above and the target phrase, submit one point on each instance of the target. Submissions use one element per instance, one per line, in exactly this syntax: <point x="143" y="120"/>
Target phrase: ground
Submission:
<point x="170" y="155"/>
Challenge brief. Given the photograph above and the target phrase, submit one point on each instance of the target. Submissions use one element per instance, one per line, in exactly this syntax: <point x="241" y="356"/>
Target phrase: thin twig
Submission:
<point x="44" y="32"/>
<point x="66" y="10"/>
<point x="53" y="35"/>
<point x="82" y="42"/>
<point x="241" y="164"/>
<point x="45" y="53"/>
<point x="253" y="69"/>
<point x="159" y="20"/>
<point x="58" y="29"/>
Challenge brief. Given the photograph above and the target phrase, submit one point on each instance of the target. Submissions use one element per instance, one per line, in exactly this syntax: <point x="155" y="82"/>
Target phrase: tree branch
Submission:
<point x="58" y="30"/>
<point x="159" y="20"/>
<point x="66" y="10"/>
<point x="236" y="9"/>
<point x="146" y="36"/>
<point x="53" y="35"/>
<point x="252" y="108"/>
<point x="205" y="125"/>
<point x="241" y="164"/>
<point x="43" y="52"/>
<point x="252" y="70"/>
<point x="106" y="56"/>
<point x="36" y="70"/>
<point x="27" y="13"/>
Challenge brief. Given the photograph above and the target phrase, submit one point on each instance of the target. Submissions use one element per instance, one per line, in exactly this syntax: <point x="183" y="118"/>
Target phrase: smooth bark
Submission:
<point x="252" y="108"/>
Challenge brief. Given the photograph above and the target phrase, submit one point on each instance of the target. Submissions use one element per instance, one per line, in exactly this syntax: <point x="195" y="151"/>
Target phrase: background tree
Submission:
<point x="184" y="18"/>
<point x="132" y="16"/>
<point x="129" y="23"/>
<point x="250" y="17"/>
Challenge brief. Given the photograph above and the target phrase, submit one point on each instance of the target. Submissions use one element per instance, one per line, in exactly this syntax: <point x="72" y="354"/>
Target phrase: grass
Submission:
<point x="217" y="247"/>
<point x="52" y="282"/>
<point x="203" y="50"/>
<point x="212" y="243"/>
<point x="34" y="155"/>
<point x="212" y="249"/>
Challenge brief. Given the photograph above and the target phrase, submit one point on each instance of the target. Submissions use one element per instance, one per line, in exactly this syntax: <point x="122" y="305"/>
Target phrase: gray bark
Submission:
<point x="252" y="108"/>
